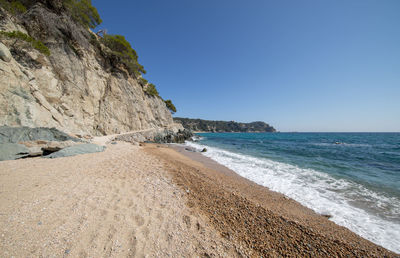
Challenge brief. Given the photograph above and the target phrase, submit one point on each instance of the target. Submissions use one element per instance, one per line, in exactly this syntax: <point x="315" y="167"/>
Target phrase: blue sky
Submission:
<point x="312" y="65"/>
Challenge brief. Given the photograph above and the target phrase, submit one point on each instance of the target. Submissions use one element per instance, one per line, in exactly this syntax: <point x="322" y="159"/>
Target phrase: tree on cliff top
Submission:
<point x="83" y="12"/>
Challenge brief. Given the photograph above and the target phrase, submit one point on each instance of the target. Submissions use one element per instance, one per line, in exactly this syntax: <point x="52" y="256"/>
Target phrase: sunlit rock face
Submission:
<point x="76" y="89"/>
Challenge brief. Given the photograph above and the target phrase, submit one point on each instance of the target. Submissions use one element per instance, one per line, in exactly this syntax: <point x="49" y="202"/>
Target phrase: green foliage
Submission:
<point x="18" y="7"/>
<point x="83" y="12"/>
<point x="24" y="37"/>
<point x="14" y="7"/>
<point x="94" y="41"/>
<point x="142" y="81"/>
<point x="122" y="49"/>
<point x="170" y="106"/>
<point x="151" y="90"/>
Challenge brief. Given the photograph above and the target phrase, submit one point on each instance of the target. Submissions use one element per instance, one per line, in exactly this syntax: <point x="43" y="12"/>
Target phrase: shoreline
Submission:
<point x="248" y="218"/>
<point x="130" y="201"/>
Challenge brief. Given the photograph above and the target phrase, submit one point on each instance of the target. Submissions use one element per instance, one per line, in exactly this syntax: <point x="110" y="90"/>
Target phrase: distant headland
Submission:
<point x="200" y="125"/>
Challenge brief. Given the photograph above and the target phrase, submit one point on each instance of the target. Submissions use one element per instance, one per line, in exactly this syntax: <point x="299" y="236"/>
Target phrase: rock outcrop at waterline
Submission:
<point x="77" y="89"/>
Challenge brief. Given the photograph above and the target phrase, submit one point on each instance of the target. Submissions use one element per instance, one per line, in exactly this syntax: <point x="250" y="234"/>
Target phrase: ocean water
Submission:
<point x="354" y="177"/>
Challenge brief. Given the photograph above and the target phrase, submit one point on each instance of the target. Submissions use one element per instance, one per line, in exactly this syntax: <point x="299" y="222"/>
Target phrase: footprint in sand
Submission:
<point x="139" y="220"/>
<point x="109" y="242"/>
<point x="118" y="217"/>
<point x="83" y="253"/>
<point x="160" y="216"/>
<point x="186" y="220"/>
<point x="134" y="191"/>
<point x="132" y="244"/>
<point x="103" y="213"/>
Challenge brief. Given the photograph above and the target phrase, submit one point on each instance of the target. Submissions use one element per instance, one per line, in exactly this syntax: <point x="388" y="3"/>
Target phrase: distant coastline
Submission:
<point x="210" y="126"/>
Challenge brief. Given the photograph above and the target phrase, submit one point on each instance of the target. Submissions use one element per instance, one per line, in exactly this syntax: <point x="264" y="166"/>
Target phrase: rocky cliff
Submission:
<point x="223" y="126"/>
<point x="77" y="88"/>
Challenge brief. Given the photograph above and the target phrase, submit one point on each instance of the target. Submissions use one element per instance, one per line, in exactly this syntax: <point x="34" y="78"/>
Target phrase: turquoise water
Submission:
<point x="354" y="177"/>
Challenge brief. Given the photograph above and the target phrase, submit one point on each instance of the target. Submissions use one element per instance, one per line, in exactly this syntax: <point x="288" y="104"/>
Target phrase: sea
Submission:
<point x="353" y="177"/>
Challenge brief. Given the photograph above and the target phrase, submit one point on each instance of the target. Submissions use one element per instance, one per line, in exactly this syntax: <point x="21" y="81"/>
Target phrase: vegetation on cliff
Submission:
<point x="36" y="44"/>
<point x="14" y="7"/>
<point x="170" y="106"/>
<point x="151" y="90"/>
<point x="83" y="12"/>
<point x="114" y="49"/>
<point x="142" y="81"/>
<point x="223" y="126"/>
<point x="123" y="50"/>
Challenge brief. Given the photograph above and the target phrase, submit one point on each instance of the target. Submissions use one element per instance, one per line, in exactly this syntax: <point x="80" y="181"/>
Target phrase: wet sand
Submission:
<point x="153" y="201"/>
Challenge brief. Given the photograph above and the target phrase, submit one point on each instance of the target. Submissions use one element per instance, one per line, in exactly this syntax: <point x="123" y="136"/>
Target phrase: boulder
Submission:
<point x="35" y="151"/>
<point x="56" y="146"/>
<point x="50" y="146"/>
<point x="25" y="134"/>
<point x="169" y="136"/>
<point x="5" y="54"/>
<point x="190" y="149"/>
<point x="9" y="151"/>
<point x="131" y="137"/>
<point x="76" y="150"/>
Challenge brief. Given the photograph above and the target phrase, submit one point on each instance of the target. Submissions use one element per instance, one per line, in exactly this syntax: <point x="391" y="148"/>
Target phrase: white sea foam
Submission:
<point x="322" y="193"/>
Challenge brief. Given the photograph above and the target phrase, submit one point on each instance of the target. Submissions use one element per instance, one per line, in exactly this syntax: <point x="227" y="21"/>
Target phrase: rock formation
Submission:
<point x="77" y="88"/>
<point x="23" y="142"/>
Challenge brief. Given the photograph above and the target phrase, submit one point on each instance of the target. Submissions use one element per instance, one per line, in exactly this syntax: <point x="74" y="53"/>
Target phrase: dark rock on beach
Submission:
<point x="24" y="134"/>
<point x="170" y="137"/>
<point x="190" y="149"/>
<point x="23" y="142"/>
<point x="12" y="151"/>
<point x="76" y="150"/>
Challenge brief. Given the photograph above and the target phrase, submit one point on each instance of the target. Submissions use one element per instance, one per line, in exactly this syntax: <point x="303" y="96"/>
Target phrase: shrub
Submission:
<point x="94" y="41"/>
<point x="122" y="49"/>
<point x="83" y="12"/>
<point x="170" y="106"/>
<point x="24" y="37"/>
<point x="142" y="81"/>
<point x="151" y="90"/>
<point x="14" y="7"/>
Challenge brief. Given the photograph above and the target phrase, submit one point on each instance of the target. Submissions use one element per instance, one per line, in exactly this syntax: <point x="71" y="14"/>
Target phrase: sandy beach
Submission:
<point x="156" y="201"/>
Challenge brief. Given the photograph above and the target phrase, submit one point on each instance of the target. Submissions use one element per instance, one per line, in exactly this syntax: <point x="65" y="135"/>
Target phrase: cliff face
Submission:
<point x="223" y="126"/>
<point x="76" y="89"/>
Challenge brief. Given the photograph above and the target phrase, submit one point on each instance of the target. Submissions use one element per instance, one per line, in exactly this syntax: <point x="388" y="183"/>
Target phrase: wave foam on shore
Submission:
<point x="347" y="202"/>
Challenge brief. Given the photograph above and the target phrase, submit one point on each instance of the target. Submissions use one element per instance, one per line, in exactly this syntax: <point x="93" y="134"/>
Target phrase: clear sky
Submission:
<point x="309" y="65"/>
